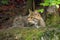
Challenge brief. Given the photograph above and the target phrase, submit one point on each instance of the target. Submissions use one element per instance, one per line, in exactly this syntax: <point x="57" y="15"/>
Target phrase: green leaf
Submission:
<point x="50" y="2"/>
<point x="45" y="4"/>
<point x="58" y="2"/>
<point x="41" y="10"/>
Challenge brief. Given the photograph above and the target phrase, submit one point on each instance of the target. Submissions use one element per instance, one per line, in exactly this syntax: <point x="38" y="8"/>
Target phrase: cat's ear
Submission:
<point x="30" y="12"/>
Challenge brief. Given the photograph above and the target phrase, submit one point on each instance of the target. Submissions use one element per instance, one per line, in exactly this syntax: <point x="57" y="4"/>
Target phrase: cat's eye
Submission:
<point x="31" y="17"/>
<point x="38" y="15"/>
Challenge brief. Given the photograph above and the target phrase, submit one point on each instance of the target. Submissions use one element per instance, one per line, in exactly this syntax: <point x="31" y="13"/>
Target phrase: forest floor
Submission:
<point x="29" y="33"/>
